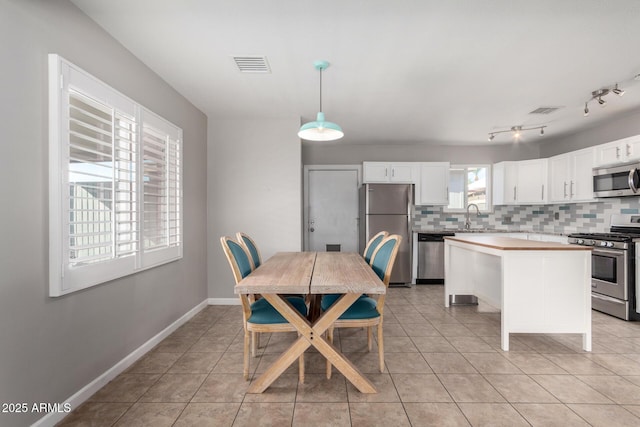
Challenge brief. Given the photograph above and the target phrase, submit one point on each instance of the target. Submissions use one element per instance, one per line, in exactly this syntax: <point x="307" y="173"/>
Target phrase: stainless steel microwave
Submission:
<point x="617" y="181"/>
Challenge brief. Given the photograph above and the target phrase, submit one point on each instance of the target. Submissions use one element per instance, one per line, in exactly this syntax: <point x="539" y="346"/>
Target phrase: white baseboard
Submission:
<point x="224" y="301"/>
<point x="87" y="391"/>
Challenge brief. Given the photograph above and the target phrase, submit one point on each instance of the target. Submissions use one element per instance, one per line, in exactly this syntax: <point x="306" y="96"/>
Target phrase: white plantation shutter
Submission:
<point x="115" y="190"/>
<point x="126" y="195"/>
<point x="161" y="188"/>
<point x="102" y="182"/>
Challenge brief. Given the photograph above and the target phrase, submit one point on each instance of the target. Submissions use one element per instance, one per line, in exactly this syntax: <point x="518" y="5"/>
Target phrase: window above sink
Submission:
<point x="469" y="184"/>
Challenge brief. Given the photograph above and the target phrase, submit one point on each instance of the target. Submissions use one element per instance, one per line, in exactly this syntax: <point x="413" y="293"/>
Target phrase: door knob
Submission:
<point x="312" y="229"/>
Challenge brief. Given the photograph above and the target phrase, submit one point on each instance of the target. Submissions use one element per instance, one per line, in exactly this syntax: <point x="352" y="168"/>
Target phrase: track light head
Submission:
<point x="601" y="101"/>
<point x="586" y="109"/>
<point x="542" y="131"/>
<point x="491" y="136"/>
<point x="618" y="91"/>
<point x="516" y="131"/>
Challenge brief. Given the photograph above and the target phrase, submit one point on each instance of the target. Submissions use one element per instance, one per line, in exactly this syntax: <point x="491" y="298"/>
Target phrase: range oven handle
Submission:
<point x="615" y="252"/>
<point x="632" y="175"/>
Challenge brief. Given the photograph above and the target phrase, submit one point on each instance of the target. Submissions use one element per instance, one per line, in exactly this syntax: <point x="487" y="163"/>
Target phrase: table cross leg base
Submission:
<point x="312" y="335"/>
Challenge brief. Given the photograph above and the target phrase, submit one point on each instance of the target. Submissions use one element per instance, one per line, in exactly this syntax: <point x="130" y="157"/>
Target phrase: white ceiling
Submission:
<point x="406" y="71"/>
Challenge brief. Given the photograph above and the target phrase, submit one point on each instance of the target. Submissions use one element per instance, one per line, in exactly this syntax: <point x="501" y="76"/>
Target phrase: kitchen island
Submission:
<point x="539" y="287"/>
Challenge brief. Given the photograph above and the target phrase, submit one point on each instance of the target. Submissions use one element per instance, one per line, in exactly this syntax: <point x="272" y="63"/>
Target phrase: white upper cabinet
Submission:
<point x="620" y="151"/>
<point x="570" y="176"/>
<point x="504" y="183"/>
<point x="433" y="188"/>
<point x="381" y="172"/>
<point x="404" y="172"/>
<point x="522" y="182"/>
<point x="533" y="182"/>
<point x="431" y="179"/>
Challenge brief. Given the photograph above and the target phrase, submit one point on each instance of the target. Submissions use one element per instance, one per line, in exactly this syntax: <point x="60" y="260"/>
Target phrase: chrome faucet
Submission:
<point x="467" y="221"/>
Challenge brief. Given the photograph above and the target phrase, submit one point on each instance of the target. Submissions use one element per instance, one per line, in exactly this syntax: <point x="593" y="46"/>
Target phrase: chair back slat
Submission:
<point x="238" y="258"/>
<point x="251" y="247"/>
<point x="384" y="257"/>
<point x="372" y="245"/>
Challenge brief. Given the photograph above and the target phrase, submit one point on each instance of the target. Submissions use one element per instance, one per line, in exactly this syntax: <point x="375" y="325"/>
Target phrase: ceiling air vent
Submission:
<point x="252" y="64"/>
<point x="545" y="110"/>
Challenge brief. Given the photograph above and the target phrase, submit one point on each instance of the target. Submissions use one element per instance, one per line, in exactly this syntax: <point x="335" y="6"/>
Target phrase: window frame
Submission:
<point x="66" y="80"/>
<point x="466" y="167"/>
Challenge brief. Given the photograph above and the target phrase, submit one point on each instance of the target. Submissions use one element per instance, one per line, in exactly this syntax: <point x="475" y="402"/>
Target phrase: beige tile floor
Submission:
<point x="444" y="367"/>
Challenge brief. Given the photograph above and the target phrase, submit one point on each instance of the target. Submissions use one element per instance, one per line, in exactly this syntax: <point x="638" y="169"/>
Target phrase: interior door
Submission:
<point x="332" y="215"/>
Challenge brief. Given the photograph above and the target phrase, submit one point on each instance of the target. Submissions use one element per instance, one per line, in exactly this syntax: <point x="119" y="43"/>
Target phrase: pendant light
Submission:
<point x="320" y="130"/>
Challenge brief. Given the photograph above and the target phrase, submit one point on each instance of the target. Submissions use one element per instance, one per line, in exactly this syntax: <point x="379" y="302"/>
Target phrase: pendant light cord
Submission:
<point x="320" y="89"/>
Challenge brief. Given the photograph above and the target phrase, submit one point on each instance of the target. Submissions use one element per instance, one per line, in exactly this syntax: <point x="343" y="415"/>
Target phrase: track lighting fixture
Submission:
<point x="597" y="95"/>
<point x="516" y="131"/>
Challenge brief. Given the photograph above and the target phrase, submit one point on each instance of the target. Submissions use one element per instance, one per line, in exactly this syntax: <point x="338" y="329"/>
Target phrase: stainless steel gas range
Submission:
<point x="613" y="266"/>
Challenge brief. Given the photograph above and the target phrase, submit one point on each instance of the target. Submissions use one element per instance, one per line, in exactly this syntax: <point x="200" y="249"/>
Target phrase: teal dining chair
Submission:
<point x="251" y="247"/>
<point x="254" y="256"/>
<point x="258" y="316"/>
<point x="366" y="311"/>
<point x="372" y="245"/>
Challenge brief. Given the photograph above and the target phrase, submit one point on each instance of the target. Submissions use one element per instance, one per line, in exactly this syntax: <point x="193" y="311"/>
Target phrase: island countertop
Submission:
<point x="512" y="244"/>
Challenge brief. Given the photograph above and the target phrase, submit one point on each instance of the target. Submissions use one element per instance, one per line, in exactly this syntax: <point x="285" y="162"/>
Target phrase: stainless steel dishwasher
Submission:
<point x="431" y="257"/>
<point x="431" y="265"/>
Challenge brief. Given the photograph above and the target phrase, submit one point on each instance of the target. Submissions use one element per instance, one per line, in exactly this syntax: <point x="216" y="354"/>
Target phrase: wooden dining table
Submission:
<point x="314" y="274"/>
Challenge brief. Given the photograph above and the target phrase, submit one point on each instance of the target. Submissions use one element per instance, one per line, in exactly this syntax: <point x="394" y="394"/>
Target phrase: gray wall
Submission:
<point x="599" y="133"/>
<point x="254" y="180"/>
<point x="337" y="153"/>
<point x="52" y="347"/>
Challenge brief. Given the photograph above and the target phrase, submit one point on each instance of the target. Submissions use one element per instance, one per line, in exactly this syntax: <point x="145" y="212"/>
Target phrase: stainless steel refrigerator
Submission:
<point x="387" y="207"/>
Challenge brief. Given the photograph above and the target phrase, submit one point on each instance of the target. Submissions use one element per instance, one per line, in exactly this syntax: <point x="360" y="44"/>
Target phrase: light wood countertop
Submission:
<point x="513" y="244"/>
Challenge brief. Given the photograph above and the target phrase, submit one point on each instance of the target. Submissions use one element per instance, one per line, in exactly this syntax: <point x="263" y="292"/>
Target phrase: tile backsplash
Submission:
<point x="558" y="218"/>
